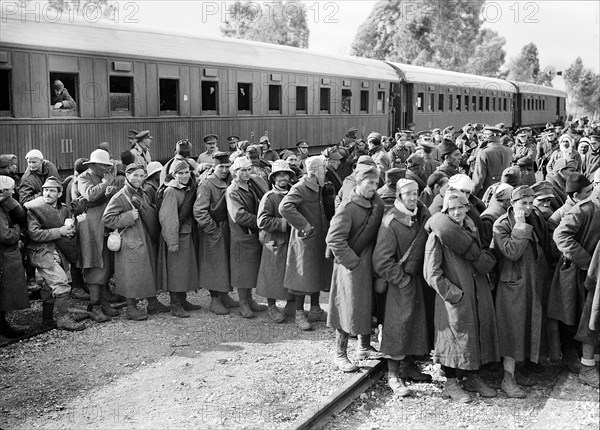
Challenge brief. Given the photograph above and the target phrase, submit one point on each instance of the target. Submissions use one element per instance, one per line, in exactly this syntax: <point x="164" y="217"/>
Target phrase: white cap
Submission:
<point x="241" y="162"/>
<point x="461" y="182"/>
<point x="6" y="182"/>
<point x="34" y="153"/>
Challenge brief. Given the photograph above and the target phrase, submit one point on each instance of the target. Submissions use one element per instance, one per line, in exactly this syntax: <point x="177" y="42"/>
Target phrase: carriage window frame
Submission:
<point x="325" y="100"/>
<point x="301" y="99"/>
<point x="6" y="103"/>
<point x="431" y="102"/>
<point x="346" y="101"/>
<point x="244" y="102"/>
<point x="274" y="103"/>
<point x="458" y="103"/>
<point x="450" y="102"/>
<point x="420" y="102"/>
<point x="440" y="102"/>
<point x="113" y="95"/>
<point x="473" y="103"/>
<point x="381" y="102"/>
<point x="466" y="103"/>
<point x="71" y="83"/>
<point x="175" y="104"/>
<point x="364" y="101"/>
<point x="205" y="102"/>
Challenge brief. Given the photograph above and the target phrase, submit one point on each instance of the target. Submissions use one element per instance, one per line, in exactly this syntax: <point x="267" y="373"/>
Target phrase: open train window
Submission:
<point x="450" y="102"/>
<point x="493" y="103"/>
<point x="244" y="95"/>
<point x="64" y="90"/>
<point x="458" y="104"/>
<point x="380" y="102"/>
<point x="168" y="90"/>
<point x="431" y="104"/>
<point x="441" y="102"/>
<point x="528" y="104"/>
<point x="364" y="101"/>
<point x="210" y="96"/>
<point x="544" y="104"/>
<point x="480" y="103"/>
<point x="324" y="101"/>
<point x="121" y="95"/>
<point x="473" y="103"/>
<point x="301" y="99"/>
<point x="466" y="103"/>
<point x="346" y="101"/>
<point x="487" y="103"/>
<point x="5" y="88"/>
<point x="420" y="102"/>
<point x="274" y="98"/>
<point x="505" y="106"/>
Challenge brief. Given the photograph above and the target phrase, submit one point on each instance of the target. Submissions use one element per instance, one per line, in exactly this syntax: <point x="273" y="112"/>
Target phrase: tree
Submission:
<point x="282" y="23"/>
<point x="583" y="86"/>
<point x="446" y="35"/>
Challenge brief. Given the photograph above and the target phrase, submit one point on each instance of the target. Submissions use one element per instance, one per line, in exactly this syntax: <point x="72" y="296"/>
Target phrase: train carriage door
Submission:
<point x="398" y="107"/>
<point x="407" y="108"/>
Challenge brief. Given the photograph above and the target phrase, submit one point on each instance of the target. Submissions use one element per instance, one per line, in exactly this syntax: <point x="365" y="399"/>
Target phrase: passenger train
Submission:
<point x="186" y="86"/>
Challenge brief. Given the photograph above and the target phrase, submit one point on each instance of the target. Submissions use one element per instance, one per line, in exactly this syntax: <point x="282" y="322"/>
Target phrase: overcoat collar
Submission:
<point x="360" y="200"/>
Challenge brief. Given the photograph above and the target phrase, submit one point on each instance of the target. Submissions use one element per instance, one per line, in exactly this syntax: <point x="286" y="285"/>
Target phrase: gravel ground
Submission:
<point x="430" y="408"/>
<point x="202" y="372"/>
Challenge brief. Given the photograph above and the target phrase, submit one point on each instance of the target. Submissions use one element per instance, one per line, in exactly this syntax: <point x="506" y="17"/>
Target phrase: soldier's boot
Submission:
<point x="156" y="307"/>
<point x="245" y="309"/>
<point x="133" y="313"/>
<point x="111" y="297"/>
<point x="341" y="353"/>
<point x="409" y="370"/>
<point x="290" y="308"/>
<point x="476" y="384"/>
<point x="396" y="384"/>
<point x="217" y="307"/>
<point x="77" y="284"/>
<point x="187" y="306"/>
<point x="64" y="320"/>
<point x="456" y="393"/>
<point x="253" y="305"/>
<point x="510" y="387"/>
<point x="107" y="309"/>
<point x="275" y="314"/>
<point x="588" y="375"/>
<point x="94" y="308"/>
<point x="48" y="314"/>
<point x="6" y="330"/>
<point x="364" y="350"/>
<point x="176" y="308"/>
<point x="317" y="314"/>
<point x="227" y="301"/>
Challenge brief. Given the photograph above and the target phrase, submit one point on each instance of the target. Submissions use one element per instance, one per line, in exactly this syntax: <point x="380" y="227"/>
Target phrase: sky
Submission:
<point x="562" y="30"/>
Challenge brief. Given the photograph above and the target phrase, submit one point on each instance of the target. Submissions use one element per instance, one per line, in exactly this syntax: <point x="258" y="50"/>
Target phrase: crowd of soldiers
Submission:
<point x="478" y="245"/>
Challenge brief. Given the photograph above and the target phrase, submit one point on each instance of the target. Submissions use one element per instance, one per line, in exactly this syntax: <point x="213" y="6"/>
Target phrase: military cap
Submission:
<point x="436" y="130"/>
<point x="352" y="130"/>
<point x="562" y="164"/>
<point x="503" y="191"/>
<point x="253" y="152"/>
<point x="365" y="170"/>
<point x="183" y="144"/>
<point x="449" y="129"/>
<point x="233" y="139"/>
<point x="523" y="130"/>
<point x="415" y="160"/>
<point x="394" y="175"/>
<point x="375" y="137"/>
<point x="302" y="144"/>
<point x="495" y="130"/>
<point x="595" y="138"/>
<point x="132" y="134"/>
<point x="34" y="153"/>
<point x="143" y="135"/>
<point x="424" y="133"/>
<point x="153" y="167"/>
<point x="263" y="139"/>
<point x="285" y="154"/>
<point x="7" y="160"/>
<point x="365" y="159"/>
<point x="404" y="185"/>
<point x="332" y="153"/>
<point x="52" y="182"/>
<point x="133" y="167"/>
<point x="512" y="176"/>
<point x="447" y="147"/>
<point x="523" y="191"/>
<point x="541" y="190"/>
<point x="451" y="195"/>
<point x="221" y="157"/>
<point x="210" y="138"/>
<point x="577" y="182"/>
<point x="79" y="165"/>
<point x="500" y="125"/>
<point x="424" y="144"/>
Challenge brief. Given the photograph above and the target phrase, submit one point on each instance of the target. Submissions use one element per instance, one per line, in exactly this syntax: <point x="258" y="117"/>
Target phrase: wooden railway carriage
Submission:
<point x="178" y="87"/>
<point x="537" y="105"/>
<point x="432" y="98"/>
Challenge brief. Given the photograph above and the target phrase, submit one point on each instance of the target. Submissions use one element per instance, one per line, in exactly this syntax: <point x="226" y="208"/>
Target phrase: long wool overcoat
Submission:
<point x="178" y="271"/>
<point x="274" y="236"/>
<point x="307" y="269"/>
<point x="245" y="249"/>
<point x="135" y="262"/>
<point x="466" y="335"/>
<point x="523" y="282"/>
<point x="351" y="238"/>
<point x="210" y="212"/>
<point x="399" y="252"/>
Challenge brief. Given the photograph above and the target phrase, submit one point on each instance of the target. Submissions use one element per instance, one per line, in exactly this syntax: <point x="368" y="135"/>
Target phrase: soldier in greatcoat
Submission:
<point x="177" y="261"/>
<point x="274" y="236"/>
<point x="456" y="267"/>
<point x="351" y="238"/>
<point x="131" y="212"/>
<point x="398" y="259"/>
<point x="524" y="155"/>
<point x="521" y="236"/>
<point x="243" y="197"/>
<point x="576" y="238"/>
<point x="592" y="158"/>
<point x="141" y="148"/>
<point x="491" y="161"/>
<point x="97" y="186"/>
<point x="307" y="271"/>
<point x="210" y="212"/>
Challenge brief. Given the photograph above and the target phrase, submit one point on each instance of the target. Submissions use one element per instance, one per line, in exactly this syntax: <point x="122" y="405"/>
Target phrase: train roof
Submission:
<point x="122" y="41"/>
<point x="534" y="89"/>
<point x="427" y="75"/>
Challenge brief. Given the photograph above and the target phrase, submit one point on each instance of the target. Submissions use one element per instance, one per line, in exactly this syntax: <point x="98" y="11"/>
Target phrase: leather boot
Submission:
<point x="156" y="307"/>
<point x="227" y="301"/>
<point x="510" y="387"/>
<point x="111" y="297"/>
<point x="133" y="313"/>
<point x="275" y="314"/>
<point x="216" y="307"/>
<point x="107" y="309"/>
<point x="317" y="314"/>
<point x="6" y="330"/>
<point x="48" y="314"/>
<point x="176" y="308"/>
<point x="253" y="305"/>
<point x="245" y="309"/>
<point x="94" y="309"/>
<point x="64" y="320"/>
<point x="398" y="387"/>
<point x="187" y="306"/>
<point x="341" y="354"/>
<point x="588" y="375"/>
<point x="456" y="393"/>
<point x="408" y="370"/>
<point x="302" y="322"/>
<point x="364" y="350"/>
<point x="290" y="308"/>
<point x="79" y="293"/>
<point x="476" y="384"/>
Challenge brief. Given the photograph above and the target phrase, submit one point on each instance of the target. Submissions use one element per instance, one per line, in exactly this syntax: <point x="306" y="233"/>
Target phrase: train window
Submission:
<point x="466" y="103"/>
<point x="210" y="95"/>
<point x="504" y="105"/>
<point x="528" y="104"/>
<point x="346" y="100"/>
<point x="301" y="99"/>
<point x="121" y="95"/>
<point x="544" y="104"/>
<point x="324" y="101"/>
<point x="364" y="101"/>
<point x="493" y="103"/>
<point x="380" y="101"/>
<point x="474" y="103"/>
<point x="450" y="102"/>
<point x="487" y="103"/>
<point x="244" y="95"/>
<point x="64" y="93"/>
<point x="420" y="102"/>
<point x="275" y="98"/>
<point x="431" y="104"/>
<point x="169" y="96"/>
<point x="458" y="102"/>
<point x="441" y="102"/>
<point x="5" y="101"/>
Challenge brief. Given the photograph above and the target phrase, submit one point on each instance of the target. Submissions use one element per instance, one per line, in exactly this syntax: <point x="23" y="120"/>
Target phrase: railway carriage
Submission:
<point x="538" y="105"/>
